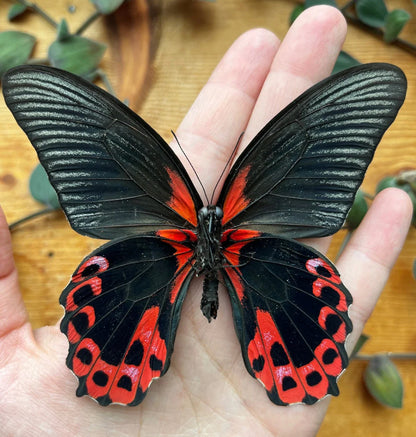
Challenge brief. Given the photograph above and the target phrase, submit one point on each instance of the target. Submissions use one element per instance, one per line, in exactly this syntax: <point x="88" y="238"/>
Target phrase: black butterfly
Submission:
<point x="117" y="179"/>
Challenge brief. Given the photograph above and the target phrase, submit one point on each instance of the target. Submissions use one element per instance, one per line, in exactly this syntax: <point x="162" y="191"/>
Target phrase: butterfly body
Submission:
<point x="117" y="179"/>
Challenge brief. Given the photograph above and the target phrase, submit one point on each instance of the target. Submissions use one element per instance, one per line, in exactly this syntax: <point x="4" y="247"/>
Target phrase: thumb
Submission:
<point x="13" y="313"/>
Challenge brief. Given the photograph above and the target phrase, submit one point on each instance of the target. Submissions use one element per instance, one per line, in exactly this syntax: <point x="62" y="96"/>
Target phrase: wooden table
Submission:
<point x="159" y="58"/>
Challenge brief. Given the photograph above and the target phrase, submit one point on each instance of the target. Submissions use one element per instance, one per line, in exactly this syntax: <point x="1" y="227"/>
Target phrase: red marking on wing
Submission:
<point x="235" y="201"/>
<point x="341" y="333"/>
<point x="99" y="262"/>
<point x="144" y="361"/>
<point x="90" y="287"/>
<point x="178" y="235"/>
<point x="313" y="264"/>
<point x="73" y="335"/>
<point x="181" y="200"/>
<point x="284" y="377"/>
<point x="313" y="379"/>
<point x="320" y="284"/>
<point x="132" y="375"/>
<point x="183" y="256"/>
<point x="85" y="356"/>
<point x="328" y="356"/>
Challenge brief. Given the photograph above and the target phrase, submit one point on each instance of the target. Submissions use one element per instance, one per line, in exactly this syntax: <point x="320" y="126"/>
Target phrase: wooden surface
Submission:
<point x="159" y="58"/>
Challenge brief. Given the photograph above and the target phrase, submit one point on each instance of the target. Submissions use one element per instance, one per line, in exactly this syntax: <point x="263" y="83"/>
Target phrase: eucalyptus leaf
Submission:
<point x="41" y="189"/>
<point x="77" y="54"/>
<point x="384" y="382"/>
<point x="63" y="31"/>
<point x="15" y="10"/>
<point x="358" y="211"/>
<point x="15" y="49"/>
<point x="107" y="6"/>
<point x="394" y="23"/>
<point x="343" y="62"/>
<point x="387" y="182"/>
<point x="371" y="12"/>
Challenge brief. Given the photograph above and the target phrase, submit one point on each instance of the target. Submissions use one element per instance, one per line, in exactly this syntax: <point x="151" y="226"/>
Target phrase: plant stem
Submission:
<point x="35" y="8"/>
<point x="45" y="211"/>
<point x="393" y="355"/>
<point x="88" y="22"/>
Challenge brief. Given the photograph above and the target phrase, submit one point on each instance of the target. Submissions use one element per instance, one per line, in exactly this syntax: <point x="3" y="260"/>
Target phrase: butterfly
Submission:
<point x="117" y="179"/>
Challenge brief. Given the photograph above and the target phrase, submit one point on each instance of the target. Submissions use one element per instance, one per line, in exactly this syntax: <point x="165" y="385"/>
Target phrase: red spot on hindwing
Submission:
<point x="144" y="361"/>
<point x="93" y="265"/>
<point x="235" y="200"/>
<point x="325" y="315"/>
<point x="82" y="293"/>
<point x="88" y="319"/>
<point x="314" y="266"/>
<point x="181" y="200"/>
<point x="270" y="361"/>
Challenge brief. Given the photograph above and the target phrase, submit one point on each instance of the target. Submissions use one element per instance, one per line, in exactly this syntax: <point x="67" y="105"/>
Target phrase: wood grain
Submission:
<point x="190" y="38"/>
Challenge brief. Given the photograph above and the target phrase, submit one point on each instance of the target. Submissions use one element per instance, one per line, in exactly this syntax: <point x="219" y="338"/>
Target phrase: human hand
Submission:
<point x="207" y="388"/>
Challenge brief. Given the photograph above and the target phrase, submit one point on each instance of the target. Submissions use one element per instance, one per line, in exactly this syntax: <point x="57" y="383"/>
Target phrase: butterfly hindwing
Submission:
<point x="299" y="175"/>
<point x="114" y="175"/>
<point x="290" y="310"/>
<point x="122" y="309"/>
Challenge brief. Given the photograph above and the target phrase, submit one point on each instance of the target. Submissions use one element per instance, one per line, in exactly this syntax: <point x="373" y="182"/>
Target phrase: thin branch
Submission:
<point x="45" y="211"/>
<point x="392" y="355"/>
<point x="35" y="8"/>
<point x="88" y="22"/>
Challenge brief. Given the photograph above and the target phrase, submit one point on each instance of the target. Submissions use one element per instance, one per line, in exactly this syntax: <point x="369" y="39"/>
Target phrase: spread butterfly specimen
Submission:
<point x="117" y="179"/>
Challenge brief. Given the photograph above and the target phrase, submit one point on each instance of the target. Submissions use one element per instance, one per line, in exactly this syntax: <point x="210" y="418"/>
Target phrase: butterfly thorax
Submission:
<point x="208" y="257"/>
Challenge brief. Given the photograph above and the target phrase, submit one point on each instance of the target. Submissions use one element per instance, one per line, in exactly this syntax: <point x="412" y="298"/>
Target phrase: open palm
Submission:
<point x="207" y="390"/>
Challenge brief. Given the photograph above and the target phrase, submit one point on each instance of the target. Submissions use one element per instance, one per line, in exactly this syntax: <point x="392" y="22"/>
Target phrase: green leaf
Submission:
<point x="371" y="12"/>
<point x="344" y="61"/>
<point x="297" y="10"/>
<point x="77" y="54"/>
<point x="358" y="211"/>
<point x="310" y="3"/>
<point x="414" y="269"/>
<point x="41" y="189"/>
<point x="358" y="346"/>
<point x="15" y="49"/>
<point x="383" y="381"/>
<point x="387" y="182"/>
<point x="394" y="23"/>
<point x="107" y="6"/>
<point x="63" y="31"/>
<point x="15" y="10"/>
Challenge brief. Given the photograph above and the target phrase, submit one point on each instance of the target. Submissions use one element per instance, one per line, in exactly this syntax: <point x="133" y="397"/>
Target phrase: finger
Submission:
<point x="306" y="55"/>
<point x="220" y="113"/>
<point x="372" y="251"/>
<point x="12" y="310"/>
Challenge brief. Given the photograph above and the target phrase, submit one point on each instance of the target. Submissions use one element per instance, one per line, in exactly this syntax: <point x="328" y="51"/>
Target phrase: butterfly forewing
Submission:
<point x="114" y="175"/>
<point x="299" y="175"/>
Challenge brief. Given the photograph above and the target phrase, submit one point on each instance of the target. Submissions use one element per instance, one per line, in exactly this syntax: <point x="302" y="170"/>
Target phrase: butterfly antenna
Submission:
<point x="226" y="165"/>
<point x="193" y="168"/>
